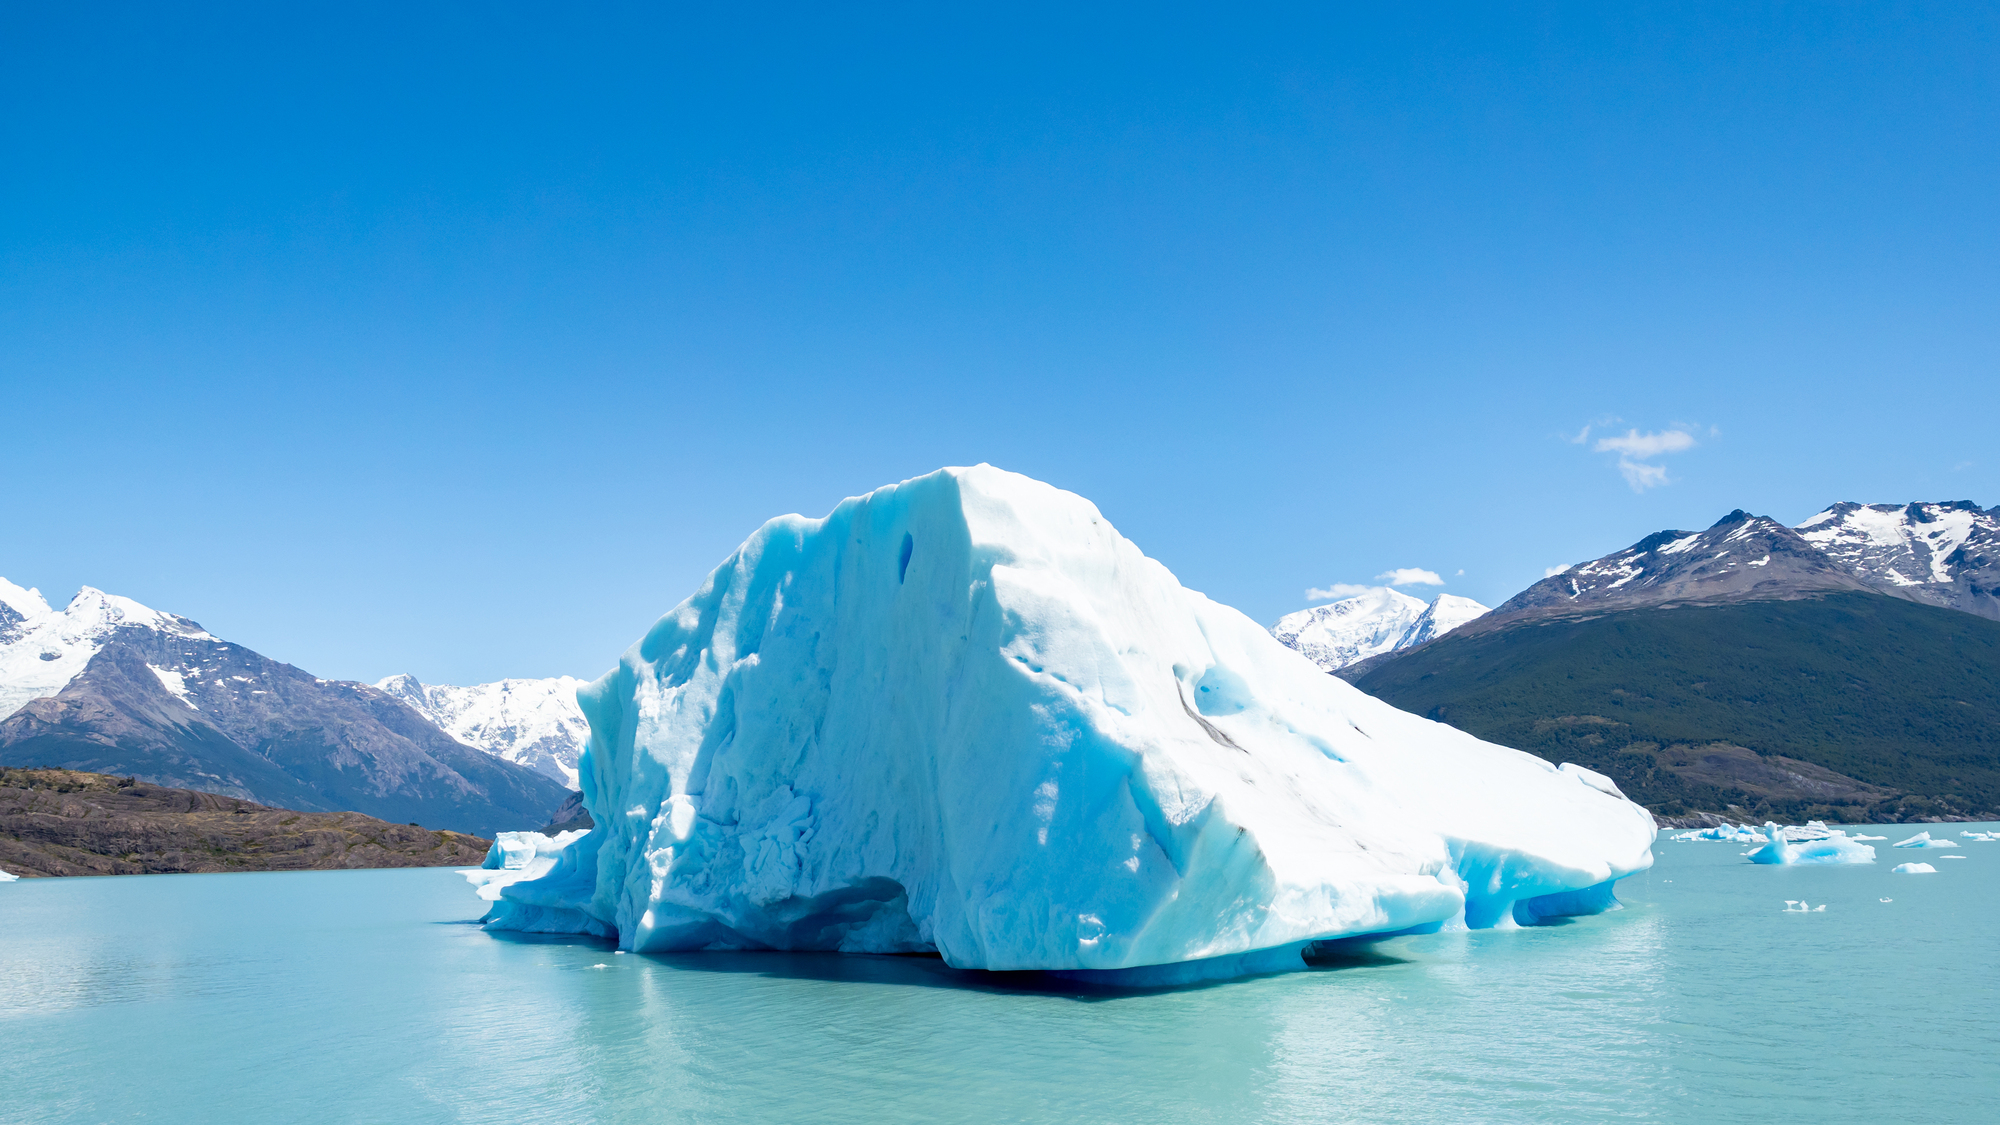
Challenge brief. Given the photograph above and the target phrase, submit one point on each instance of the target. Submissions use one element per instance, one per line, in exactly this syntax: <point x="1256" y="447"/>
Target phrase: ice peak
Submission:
<point x="29" y="603"/>
<point x="47" y="648"/>
<point x="93" y="610"/>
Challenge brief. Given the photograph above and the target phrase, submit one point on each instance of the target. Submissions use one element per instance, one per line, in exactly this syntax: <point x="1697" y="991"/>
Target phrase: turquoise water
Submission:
<point x="366" y="997"/>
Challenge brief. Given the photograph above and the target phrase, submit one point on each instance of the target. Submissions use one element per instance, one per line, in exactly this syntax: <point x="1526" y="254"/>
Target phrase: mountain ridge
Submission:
<point x="156" y="696"/>
<point x="1666" y="665"/>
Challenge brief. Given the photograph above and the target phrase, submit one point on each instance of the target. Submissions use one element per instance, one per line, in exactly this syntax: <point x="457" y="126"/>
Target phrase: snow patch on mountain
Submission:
<point x="534" y="723"/>
<point x="1941" y="553"/>
<point x="42" y="649"/>
<point x="1380" y="620"/>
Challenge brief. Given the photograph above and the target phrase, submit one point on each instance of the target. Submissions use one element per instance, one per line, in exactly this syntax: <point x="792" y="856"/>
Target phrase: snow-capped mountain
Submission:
<point x="108" y="685"/>
<point x="1741" y="558"/>
<point x="1381" y="620"/>
<point x="42" y="649"/>
<point x="534" y="723"/>
<point x="1942" y="554"/>
<point x="1445" y="613"/>
<point x="1939" y="554"/>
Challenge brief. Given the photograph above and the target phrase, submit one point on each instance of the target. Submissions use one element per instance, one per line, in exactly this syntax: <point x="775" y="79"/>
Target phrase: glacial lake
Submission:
<point x="368" y="997"/>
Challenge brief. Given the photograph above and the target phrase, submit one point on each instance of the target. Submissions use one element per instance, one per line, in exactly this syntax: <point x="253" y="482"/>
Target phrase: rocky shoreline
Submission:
<point x="67" y="822"/>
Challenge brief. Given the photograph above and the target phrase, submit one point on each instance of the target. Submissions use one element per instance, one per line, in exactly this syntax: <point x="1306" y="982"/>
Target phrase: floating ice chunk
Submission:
<point x="1885" y="900"/>
<point x="1913" y="869"/>
<point x="1981" y="837"/>
<point x="1824" y="850"/>
<point x="1795" y="906"/>
<point x="1923" y="840"/>
<point x="1858" y="836"/>
<point x="963" y="714"/>
<point x="1733" y="833"/>
<point x="7" y="878"/>
<point x="516" y="856"/>
<point x="1951" y="857"/>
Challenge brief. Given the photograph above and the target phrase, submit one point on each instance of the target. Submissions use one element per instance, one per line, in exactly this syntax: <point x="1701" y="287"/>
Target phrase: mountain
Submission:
<point x="62" y="822"/>
<point x="1752" y="668"/>
<point x="1445" y="613"/>
<point x="1939" y="554"/>
<point x="110" y="686"/>
<point x="1741" y="558"/>
<point x="1379" y="621"/>
<point x="1853" y="706"/>
<point x="533" y="723"/>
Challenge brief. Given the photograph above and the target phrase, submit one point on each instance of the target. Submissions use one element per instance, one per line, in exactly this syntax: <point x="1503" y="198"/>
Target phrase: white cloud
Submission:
<point x="1460" y="574"/>
<point x="1642" y="476"/>
<point x="1636" y="452"/>
<point x="1410" y="576"/>
<point x="1635" y="444"/>
<point x="1582" y="436"/>
<point x="1551" y="572"/>
<point x="1337" y="590"/>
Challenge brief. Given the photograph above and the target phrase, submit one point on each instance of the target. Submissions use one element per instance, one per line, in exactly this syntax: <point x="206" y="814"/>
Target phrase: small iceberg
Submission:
<point x="1868" y="837"/>
<point x="1923" y="840"/>
<point x="1981" y="837"/>
<point x="1733" y="833"/>
<point x="1829" y="849"/>
<point x="7" y="878"/>
<point x="1794" y="906"/>
<point x="1913" y="869"/>
<point x="1951" y="857"/>
<point x="518" y="856"/>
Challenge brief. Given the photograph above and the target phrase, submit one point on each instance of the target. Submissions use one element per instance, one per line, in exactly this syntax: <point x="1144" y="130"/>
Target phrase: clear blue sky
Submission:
<point x="465" y="338"/>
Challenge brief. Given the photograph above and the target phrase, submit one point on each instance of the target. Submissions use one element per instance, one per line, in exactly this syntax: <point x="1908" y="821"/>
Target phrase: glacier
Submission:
<point x="1829" y="848"/>
<point x="962" y="715"/>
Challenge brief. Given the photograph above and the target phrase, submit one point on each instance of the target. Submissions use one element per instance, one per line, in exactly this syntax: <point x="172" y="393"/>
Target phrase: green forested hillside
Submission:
<point x="1904" y="698"/>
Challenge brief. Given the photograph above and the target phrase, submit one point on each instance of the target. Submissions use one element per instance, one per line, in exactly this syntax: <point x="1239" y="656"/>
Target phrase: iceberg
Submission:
<point x="1733" y="833"/>
<point x="1981" y="837"/>
<point x="516" y="856"/>
<point x="1923" y="840"/>
<point x="1913" y="869"/>
<point x="1825" y="849"/>
<point x="962" y="715"/>
<point x="6" y="877"/>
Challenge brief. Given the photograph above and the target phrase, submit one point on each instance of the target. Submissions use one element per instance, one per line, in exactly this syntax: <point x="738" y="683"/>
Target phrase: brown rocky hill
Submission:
<point x="66" y="822"/>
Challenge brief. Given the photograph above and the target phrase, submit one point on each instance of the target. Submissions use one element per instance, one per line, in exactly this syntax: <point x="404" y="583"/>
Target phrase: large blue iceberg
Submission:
<point x="963" y="715"/>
